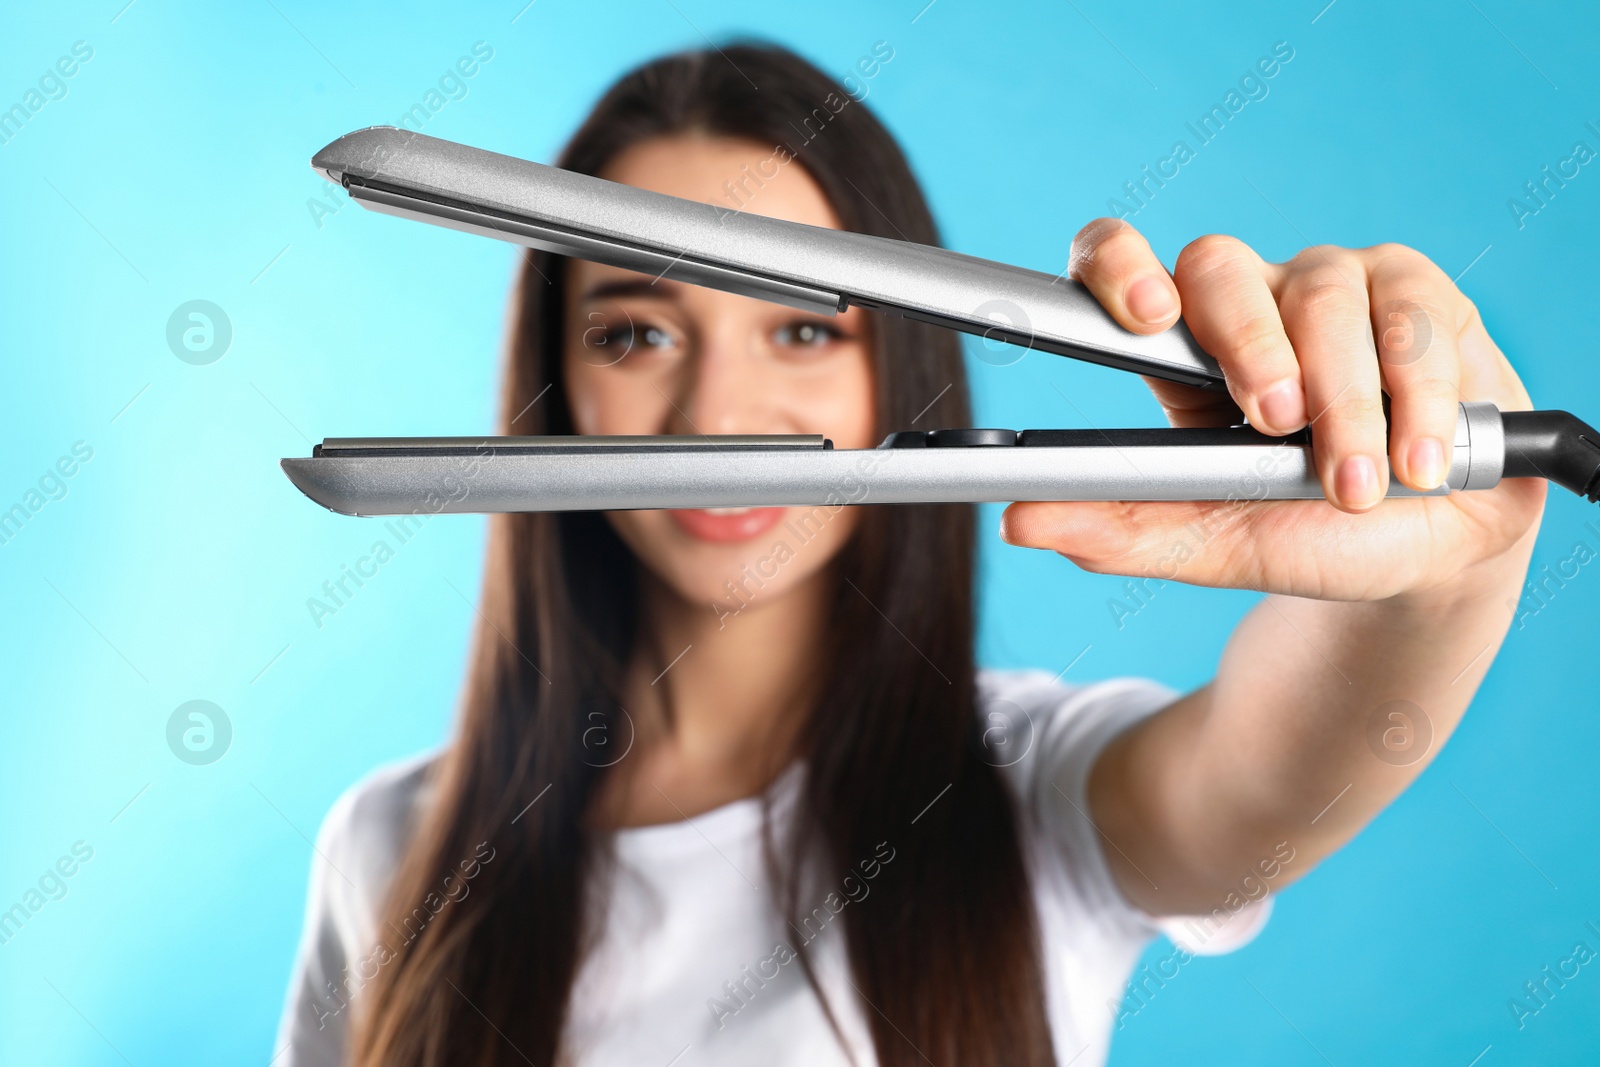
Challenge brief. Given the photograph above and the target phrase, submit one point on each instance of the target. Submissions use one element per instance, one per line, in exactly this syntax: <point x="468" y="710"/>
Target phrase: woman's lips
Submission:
<point x="726" y="524"/>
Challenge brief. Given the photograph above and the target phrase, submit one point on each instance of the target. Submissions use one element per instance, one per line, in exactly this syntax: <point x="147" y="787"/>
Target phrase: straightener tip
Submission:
<point x="360" y="151"/>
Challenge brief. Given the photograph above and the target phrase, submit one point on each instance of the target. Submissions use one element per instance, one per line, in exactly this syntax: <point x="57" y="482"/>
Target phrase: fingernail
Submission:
<point x="1426" y="461"/>
<point x="1150" y="300"/>
<point x="1283" y="406"/>
<point x="1357" y="482"/>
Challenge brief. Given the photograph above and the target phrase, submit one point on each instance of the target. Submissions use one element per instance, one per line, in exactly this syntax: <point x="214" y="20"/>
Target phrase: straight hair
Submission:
<point x="945" y="949"/>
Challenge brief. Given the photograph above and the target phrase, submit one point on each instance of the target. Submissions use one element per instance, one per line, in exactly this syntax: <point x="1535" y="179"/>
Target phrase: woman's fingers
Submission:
<point x="1231" y="311"/>
<point x="1412" y="322"/>
<point x="1115" y="262"/>
<point x="1314" y="341"/>
<point x="1323" y="301"/>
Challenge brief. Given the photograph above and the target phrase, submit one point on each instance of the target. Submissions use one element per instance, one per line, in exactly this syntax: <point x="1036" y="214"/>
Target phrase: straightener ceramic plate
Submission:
<point x="413" y="176"/>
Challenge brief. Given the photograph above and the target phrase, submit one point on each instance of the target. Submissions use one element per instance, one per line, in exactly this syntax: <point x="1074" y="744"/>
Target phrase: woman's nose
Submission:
<point x="724" y="392"/>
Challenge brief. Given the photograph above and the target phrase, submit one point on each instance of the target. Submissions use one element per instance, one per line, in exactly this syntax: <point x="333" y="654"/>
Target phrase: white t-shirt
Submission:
<point x="691" y="968"/>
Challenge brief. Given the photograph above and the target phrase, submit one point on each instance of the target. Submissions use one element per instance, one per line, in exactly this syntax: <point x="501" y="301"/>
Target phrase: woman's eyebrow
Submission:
<point x="635" y="287"/>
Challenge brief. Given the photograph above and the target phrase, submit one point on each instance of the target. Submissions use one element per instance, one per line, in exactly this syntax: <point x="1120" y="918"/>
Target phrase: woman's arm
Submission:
<point x="1378" y="622"/>
<point x="1320" y="714"/>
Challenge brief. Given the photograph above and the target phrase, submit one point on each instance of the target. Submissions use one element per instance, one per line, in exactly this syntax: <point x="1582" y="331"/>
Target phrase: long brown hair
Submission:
<point x="945" y="950"/>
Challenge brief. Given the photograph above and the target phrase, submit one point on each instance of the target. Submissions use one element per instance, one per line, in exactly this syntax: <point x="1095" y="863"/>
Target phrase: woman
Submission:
<point x="727" y="785"/>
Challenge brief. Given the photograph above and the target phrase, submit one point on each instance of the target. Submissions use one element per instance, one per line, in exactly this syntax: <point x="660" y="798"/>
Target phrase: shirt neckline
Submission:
<point x="736" y="820"/>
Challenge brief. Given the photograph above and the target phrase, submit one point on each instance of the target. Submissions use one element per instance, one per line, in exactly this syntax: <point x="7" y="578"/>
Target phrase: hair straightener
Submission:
<point x="413" y="176"/>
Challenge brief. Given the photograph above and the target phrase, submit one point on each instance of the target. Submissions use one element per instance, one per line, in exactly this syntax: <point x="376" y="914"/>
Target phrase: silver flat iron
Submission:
<point x="398" y="172"/>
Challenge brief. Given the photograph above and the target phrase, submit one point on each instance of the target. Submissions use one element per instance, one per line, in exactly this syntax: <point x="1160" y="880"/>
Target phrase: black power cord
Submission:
<point x="1555" y="445"/>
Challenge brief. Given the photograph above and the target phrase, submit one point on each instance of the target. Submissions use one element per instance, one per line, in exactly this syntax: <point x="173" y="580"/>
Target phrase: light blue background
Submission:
<point x="178" y="565"/>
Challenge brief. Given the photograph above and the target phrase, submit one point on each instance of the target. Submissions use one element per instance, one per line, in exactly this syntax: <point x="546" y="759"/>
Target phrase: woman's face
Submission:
<point x="646" y="355"/>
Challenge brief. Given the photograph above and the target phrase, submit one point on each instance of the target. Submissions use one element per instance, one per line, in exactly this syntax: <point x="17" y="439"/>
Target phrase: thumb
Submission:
<point x="1196" y="542"/>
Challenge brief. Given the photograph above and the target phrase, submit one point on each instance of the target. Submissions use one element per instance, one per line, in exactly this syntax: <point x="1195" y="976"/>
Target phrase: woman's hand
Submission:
<point x="1316" y="340"/>
<point x="1387" y="600"/>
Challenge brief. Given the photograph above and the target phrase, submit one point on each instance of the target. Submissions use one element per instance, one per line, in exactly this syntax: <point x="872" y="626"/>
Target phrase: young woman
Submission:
<point x="727" y="786"/>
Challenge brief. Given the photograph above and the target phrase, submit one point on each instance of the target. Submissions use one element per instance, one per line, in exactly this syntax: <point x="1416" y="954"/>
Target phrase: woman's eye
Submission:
<point x="652" y="337"/>
<point x="806" y="334"/>
<point x="612" y="341"/>
<point x="632" y="336"/>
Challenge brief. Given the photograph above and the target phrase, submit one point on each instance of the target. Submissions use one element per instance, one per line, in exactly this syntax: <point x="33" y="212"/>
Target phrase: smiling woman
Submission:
<point x="701" y="361"/>
<point x="818" y="731"/>
<point x="672" y="797"/>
